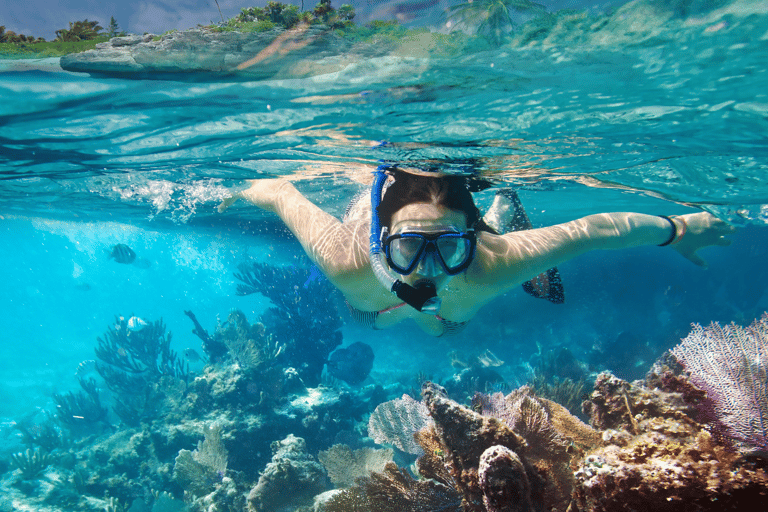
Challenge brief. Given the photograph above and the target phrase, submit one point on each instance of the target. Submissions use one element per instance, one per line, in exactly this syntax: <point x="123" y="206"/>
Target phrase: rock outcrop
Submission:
<point x="277" y="53"/>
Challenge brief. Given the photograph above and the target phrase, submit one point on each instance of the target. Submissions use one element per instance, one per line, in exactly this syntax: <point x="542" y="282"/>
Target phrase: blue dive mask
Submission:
<point x="452" y="249"/>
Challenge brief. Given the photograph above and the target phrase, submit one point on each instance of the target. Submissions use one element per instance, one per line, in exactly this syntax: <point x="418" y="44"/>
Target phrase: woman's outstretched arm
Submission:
<point x="331" y="245"/>
<point x="515" y="257"/>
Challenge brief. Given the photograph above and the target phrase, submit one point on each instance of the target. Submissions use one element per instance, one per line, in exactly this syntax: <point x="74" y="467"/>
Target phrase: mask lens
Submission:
<point x="454" y="250"/>
<point x="404" y="251"/>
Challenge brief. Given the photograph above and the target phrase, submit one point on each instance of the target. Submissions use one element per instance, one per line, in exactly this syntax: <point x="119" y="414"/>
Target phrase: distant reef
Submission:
<point x="277" y="53"/>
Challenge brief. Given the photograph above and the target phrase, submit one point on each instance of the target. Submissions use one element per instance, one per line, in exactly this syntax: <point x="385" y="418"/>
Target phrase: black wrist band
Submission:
<point x="674" y="231"/>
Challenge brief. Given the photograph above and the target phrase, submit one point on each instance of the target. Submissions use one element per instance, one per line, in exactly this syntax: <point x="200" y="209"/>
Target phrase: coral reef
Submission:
<point x="517" y="446"/>
<point x="656" y="456"/>
<point x="250" y="433"/>
<point x="138" y="447"/>
<point x="520" y="452"/>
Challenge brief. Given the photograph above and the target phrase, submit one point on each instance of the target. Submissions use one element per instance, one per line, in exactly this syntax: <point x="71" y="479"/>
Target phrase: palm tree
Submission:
<point x="492" y="17"/>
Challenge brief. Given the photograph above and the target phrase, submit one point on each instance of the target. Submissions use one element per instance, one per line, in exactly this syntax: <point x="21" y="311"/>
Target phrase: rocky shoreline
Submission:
<point x="277" y="53"/>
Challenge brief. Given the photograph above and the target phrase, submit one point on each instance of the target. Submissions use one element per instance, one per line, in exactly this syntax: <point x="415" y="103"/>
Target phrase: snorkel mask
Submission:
<point x="423" y="297"/>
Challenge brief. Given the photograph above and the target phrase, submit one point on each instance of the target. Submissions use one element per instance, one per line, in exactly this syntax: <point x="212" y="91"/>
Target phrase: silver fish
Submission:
<point x="135" y="324"/>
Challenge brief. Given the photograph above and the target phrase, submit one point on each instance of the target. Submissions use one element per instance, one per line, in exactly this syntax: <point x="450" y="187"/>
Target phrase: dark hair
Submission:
<point x="449" y="191"/>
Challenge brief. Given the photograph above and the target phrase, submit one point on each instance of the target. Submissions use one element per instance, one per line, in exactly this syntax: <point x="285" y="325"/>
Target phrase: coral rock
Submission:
<point x="465" y="436"/>
<point x="657" y="457"/>
<point x="504" y="481"/>
<point x="292" y="479"/>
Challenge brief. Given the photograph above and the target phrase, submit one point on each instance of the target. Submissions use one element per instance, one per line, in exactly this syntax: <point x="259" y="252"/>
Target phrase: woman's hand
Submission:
<point x="701" y="230"/>
<point x="261" y="193"/>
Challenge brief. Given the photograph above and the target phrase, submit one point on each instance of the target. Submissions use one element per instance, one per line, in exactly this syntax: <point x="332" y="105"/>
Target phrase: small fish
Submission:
<point x="122" y="254"/>
<point x="192" y="355"/>
<point x="135" y="324"/>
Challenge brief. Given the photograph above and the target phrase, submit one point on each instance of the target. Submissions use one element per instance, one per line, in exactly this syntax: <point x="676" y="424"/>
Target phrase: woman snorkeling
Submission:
<point x="420" y="249"/>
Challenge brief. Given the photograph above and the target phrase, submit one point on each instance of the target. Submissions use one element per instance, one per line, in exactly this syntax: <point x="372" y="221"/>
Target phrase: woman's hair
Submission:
<point x="448" y="191"/>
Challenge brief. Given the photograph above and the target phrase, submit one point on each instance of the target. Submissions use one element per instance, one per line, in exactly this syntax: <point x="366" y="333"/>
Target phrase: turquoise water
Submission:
<point x="657" y="115"/>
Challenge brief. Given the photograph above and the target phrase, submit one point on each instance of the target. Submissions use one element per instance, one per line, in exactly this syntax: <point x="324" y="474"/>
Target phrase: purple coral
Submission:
<point x="731" y="364"/>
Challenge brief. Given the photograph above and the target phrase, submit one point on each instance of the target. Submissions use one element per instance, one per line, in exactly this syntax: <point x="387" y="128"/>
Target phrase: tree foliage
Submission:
<point x="278" y="14"/>
<point x="114" y="29"/>
<point x="80" y="31"/>
<point x="13" y="37"/>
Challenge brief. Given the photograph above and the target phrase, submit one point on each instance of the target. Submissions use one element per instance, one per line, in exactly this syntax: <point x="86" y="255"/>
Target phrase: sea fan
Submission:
<point x="731" y="364"/>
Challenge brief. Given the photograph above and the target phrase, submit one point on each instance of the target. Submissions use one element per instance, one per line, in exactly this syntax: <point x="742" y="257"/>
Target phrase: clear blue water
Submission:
<point x="663" y="119"/>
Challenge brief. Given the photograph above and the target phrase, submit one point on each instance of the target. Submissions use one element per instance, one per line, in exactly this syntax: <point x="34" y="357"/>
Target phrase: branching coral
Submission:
<point x="44" y="434"/>
<point x="214" y="349"/>
<point x="31" y="462"/>
<point x="249" y="345"/>
<point x="81" y="409"/>
<point x="132" y="361"/>
<point x="138" y="352"/>
<point x="303" y="314"/>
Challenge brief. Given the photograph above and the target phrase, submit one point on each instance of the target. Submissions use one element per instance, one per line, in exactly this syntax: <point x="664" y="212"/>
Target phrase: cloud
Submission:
<point x="158" y="16"/>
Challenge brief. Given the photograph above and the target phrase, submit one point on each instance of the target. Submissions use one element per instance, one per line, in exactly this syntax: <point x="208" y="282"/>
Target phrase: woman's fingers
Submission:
<point x="227" y="203"/>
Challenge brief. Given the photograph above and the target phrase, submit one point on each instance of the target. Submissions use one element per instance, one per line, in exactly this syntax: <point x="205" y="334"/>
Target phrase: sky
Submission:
<point x="41" y="18"/>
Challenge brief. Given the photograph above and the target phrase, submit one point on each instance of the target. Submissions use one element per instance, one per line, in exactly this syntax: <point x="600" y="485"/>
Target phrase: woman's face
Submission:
<point x="427" y="217"/>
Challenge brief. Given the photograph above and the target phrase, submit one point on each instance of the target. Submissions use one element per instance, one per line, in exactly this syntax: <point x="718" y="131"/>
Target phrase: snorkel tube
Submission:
<point x="424" y="296"/>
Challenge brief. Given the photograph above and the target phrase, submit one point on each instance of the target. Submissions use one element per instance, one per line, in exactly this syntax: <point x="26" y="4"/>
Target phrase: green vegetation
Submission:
<point x="277" y="14"/>
<point x="46" y="49"/>
<point x="13" y="37"/>
<point x="114" y="29"/>
<point x="79" y="31"/>
<point x="80" y="36"/>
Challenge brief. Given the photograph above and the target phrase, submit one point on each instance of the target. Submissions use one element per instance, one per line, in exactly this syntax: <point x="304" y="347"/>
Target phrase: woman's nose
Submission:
<point x="428" y="267"/>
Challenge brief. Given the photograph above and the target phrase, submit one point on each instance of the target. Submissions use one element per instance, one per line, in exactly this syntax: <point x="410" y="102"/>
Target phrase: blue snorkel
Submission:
<point x="424" y="296"/>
